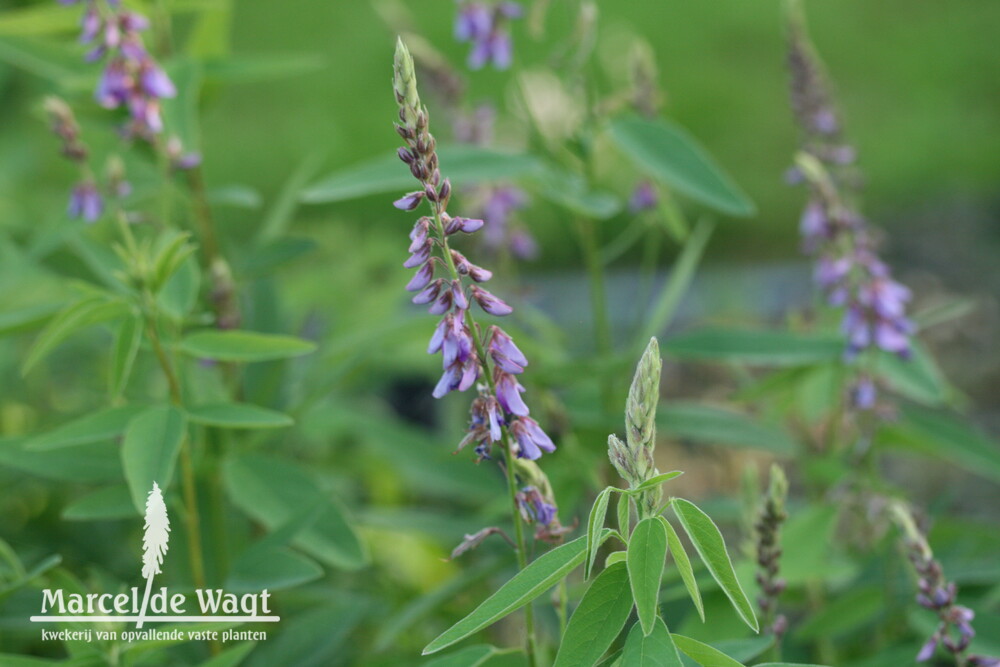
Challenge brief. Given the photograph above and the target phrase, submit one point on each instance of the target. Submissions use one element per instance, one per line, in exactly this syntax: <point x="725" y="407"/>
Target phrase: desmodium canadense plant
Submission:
<point x="630" y="578"/>
<point x="488" y="360"/>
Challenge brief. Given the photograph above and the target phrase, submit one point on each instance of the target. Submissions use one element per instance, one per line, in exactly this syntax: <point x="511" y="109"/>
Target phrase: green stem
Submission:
<point x="522" y="552"/>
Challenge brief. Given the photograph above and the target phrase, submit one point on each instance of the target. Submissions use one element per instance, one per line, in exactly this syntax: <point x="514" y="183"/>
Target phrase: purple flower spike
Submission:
<point x="490" y="303"/>
<point x="85" y="202"/>
<point x="531" y="439"/>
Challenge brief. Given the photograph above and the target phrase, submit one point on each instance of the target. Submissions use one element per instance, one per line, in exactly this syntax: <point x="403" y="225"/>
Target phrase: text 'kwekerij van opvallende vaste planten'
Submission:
<point x="658" y="412"/>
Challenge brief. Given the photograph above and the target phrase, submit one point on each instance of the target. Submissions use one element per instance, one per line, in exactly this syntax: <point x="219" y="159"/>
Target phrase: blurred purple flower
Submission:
<point x="484" y="26"/>
<point x="643" y="198"/>
<point x="534" y="507"/>
<point x="85" y="202"/>
<point x="131" y="77"/>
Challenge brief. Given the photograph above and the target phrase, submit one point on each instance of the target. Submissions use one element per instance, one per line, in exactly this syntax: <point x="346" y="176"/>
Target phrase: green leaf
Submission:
<point x="26" y="319"/>
<point x="647" y="553"/>
<point x="179" y="295"/>
<point x="96" y="427"/>
<point x="123" y="354"/>
<point x="93" y="462"/>
<point x="723" y="426"/>
<point x="243" y="346"/>
<point x="570" y="191"/>
<point x="788" y="664"/>
<point x="540" y="575"/>
<point x="653" y="482"/>
<point x="238" y="415"/>
<point x="653" y="650"/>
<point x="711" y="548"/>
<point x="595" y="527"/>
<point x="80" y="315"/>
<point x="703" y="654"/>
<point x="272" y="568"/>
<point x="853" y="609"/>
<point x="470" y="656"/>
<point x="763" y="348"/>
<point x="237" y="196"/>
<point x="38" y="20"/>
<point x="152" y="441"/>
<point x="274" y="491"/>
<point x="917" y="378"/>
<point x="943" y="437"/>
<point x="624" y="511"/>
<point x="464" y="165"/>
<point x="597" y="620"/>
<point x="667" y="152"/>
<point x="683" y="563"/>
<point x="112" y="502"/>
<point x="615" y="557"/>
<point x="677" y="284"/>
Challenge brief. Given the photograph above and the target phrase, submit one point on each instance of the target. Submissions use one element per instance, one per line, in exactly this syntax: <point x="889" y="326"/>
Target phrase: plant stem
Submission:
<point x="522" y="552"/>
<point x="192" y="517"/>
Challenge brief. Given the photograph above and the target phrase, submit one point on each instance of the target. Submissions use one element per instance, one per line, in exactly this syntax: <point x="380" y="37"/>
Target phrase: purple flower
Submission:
<point x="531" y="439"/>
<point x="534" y="507"/>
<point x="927" y="650"/>
<point x="409" y="201"/>
<point x="643" y="198"/>
<point x="509" y="394"/>
<point x="485" y="28"/>
<point x="505" y="353"/>
<point x="155" y="82"/>
<point x="421" y="278"/>
<point x="490" y="303"/>
<point x="85" y="202"/>
<point x="864" y="393"/>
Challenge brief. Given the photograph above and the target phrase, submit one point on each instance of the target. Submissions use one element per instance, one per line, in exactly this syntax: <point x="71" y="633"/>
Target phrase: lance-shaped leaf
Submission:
<point x="703" y="654"/>
<point x="152" y="442"/>
<point x="123" y="355"/>
<point x="624" y="512"/>
<point x="598" y="619"/>
<point x="707" y="540"/>
<point x="80" y="315"/>
<point x="683" y="564"/>
<point x="653" y="650"/>
<point x="524" y="587"/>
<point x="647" y="553"/>
<point x="244" y="346"/>
<point x="669" y="153"/>
<point x="595" y="527"/>
<point x="238" y="416"/>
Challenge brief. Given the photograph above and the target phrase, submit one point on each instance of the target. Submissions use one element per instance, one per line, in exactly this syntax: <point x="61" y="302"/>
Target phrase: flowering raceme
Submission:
<point x="469" y="353"/>
<point x="131" y="77"/>
<point x="848" y="269"/>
